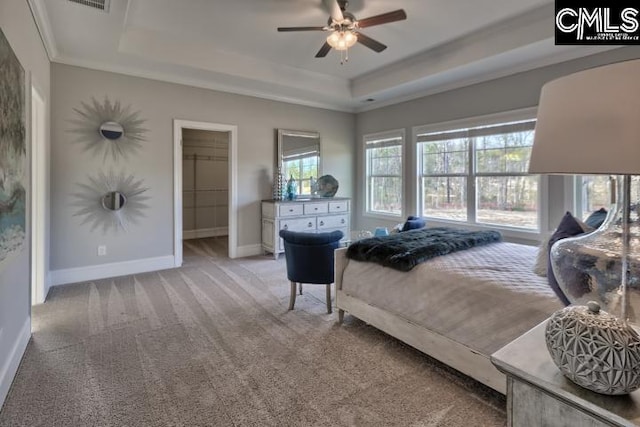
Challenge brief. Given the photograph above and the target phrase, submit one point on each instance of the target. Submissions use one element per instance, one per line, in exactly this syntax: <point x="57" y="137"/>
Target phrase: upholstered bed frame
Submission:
<point x="457" y="308"/>
<point x="442" y="348"/>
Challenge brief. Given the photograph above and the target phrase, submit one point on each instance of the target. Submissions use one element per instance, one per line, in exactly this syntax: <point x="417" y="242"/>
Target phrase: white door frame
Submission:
<point x="38" y="196"/>
<point x="178" y="125"/>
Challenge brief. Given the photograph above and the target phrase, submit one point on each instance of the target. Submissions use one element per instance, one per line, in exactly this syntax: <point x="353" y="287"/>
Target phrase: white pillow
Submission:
<point x="542" y="259"/>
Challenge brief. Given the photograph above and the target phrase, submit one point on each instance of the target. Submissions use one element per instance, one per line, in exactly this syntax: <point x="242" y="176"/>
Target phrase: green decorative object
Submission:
<point x="292" y="188"/>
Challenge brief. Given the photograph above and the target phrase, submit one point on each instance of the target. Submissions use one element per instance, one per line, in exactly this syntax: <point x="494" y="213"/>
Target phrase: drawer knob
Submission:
<point x="321" y="222"/>
<point x="338" y="207"/>
<point x="342" y="221"/>
<point x="310" y="225"/>
<point x="315" y="209"/>
<point x="290" y="210"/>
<point x="285" y="227"/>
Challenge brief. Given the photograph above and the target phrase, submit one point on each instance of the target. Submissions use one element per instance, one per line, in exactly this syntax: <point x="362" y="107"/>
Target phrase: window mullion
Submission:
<point x="471" y="182"/>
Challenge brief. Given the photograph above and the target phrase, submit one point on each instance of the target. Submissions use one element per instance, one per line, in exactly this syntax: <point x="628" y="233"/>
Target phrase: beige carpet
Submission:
<point x="212" y="344"/>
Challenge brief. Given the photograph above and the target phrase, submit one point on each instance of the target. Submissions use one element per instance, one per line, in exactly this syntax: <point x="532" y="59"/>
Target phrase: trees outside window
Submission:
<point x="479" y="175"/>
<point x="594" y="192"/>
<point x="302" y="167"/>
<point x="383" y="164"/>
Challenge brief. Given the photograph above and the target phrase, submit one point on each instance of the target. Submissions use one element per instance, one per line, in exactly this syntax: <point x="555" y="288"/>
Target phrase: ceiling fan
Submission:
<point x="344" y="28"/>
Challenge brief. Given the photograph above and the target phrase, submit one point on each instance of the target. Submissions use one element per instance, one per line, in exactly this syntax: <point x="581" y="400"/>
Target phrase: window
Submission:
<point x="594" y="192"/>
<point x="383" y="164"/>
<point x="479" y="175"/>
<point x="302" y="165"/>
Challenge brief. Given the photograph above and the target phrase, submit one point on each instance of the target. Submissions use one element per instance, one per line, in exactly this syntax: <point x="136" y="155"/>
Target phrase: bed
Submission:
<point x="458" y="308"/>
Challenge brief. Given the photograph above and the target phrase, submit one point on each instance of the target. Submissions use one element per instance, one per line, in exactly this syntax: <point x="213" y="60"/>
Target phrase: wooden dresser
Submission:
<point x="316" y="215"/>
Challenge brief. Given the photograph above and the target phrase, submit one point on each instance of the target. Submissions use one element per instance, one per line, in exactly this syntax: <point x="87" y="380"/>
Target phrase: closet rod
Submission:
<point x="208" y="158"/>
<point x="212" y="147"/>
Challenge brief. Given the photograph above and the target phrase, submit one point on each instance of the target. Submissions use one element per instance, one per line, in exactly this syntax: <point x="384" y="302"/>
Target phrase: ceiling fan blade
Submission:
<point x="323" y="50"/>
<point x="371" y="43"/>
<point x="285" y="29"/>
<point x="334" y="10"/>
<point x="396" y="15"/>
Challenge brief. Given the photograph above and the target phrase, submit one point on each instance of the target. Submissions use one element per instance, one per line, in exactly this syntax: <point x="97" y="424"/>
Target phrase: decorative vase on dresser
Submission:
<point x="315" y="215"/>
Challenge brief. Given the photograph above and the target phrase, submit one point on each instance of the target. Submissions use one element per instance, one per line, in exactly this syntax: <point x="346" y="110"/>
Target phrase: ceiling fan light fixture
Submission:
<point x="342" y="40"/>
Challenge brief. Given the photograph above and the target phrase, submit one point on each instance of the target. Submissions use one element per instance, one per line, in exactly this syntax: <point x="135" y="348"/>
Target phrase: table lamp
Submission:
<point x="589" y="123"/>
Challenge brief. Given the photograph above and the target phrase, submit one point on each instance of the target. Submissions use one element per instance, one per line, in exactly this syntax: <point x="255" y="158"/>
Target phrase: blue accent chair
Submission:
<point x="310" y="259"/>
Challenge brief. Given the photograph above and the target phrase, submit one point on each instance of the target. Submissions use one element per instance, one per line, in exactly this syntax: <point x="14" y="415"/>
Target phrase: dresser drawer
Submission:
<point x="291" y="209"/>
<point x="298" y="224"/>
<point x="342" y="206"/>
<point x="315" y="208"/>
<point x="332" y="221"/>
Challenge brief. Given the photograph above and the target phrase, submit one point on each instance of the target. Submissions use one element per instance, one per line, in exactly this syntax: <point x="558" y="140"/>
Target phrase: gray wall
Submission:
<point x="75" y="246"/>
<point x="509" y="93"/>
<point x="18" y="26"/>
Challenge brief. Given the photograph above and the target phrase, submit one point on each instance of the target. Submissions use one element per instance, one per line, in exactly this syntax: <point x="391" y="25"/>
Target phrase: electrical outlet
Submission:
<point x="102" y="250"/>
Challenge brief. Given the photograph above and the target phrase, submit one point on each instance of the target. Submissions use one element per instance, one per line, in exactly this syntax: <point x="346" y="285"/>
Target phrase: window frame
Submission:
<point x="524" y="114"/>
<point x="378" y="136"/>
<point x="300" y="180"/>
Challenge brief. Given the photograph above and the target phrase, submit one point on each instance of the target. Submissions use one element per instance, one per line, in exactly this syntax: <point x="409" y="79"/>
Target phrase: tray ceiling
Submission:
<point x="234" y="46"/>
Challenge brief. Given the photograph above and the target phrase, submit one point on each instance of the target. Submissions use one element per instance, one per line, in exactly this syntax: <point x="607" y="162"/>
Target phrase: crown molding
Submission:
<point x="169" y="77"/>
<point x="39" y="13"/>
<point x="411" y="94"/>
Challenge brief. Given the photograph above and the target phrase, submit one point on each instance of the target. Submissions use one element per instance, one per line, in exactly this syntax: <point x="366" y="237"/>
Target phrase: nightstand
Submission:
<point x="538" y="394"/>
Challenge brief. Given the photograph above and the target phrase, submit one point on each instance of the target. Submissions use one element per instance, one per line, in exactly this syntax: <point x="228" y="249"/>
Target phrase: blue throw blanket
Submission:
<point x="403" y="251"/>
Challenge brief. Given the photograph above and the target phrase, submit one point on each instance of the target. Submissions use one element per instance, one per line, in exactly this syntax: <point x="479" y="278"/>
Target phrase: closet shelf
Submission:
<point x="208" y="158"/>
<point x="209" y="189"/>
<point x="205" y="206"/>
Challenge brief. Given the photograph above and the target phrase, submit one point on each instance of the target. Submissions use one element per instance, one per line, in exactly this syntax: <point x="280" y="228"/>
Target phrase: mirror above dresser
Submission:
<point x="298" y="155"/>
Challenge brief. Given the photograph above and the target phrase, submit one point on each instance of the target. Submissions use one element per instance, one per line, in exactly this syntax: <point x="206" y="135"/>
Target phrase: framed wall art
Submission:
<point x="13" y="152"/>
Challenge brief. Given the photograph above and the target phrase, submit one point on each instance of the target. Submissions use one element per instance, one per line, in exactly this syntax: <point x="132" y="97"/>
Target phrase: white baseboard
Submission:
<point x="103" y="271"/>
<point x="205" y="232"/>
<point x="248" y="250"/>
<point x="10" y="367"/>
<point x="47" y="284"/>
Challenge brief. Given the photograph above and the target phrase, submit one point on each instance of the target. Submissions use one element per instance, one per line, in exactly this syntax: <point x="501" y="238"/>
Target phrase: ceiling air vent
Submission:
<point x="96" y="4"/>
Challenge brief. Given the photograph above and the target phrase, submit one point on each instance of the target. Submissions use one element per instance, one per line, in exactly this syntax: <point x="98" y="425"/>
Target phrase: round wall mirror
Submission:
<point x="111" y="130"/>
<point x="113" y="200"/>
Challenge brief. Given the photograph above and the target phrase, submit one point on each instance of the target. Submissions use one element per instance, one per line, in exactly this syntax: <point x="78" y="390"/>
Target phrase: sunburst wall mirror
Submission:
<point x="111" y="201"/>
<point x="107" y="128"/>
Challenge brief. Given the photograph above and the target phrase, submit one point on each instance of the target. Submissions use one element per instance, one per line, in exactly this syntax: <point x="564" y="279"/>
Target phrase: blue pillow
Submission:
<point x="568" y="227"/>
<point x="414" y="222"/>
<point x="596" y="219"/>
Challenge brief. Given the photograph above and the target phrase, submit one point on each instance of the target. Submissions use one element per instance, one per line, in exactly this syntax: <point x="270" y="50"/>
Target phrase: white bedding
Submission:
<point x="483" y="297"/>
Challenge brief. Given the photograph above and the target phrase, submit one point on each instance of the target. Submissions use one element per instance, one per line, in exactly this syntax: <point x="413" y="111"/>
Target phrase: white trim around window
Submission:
<point x="383" y="139"/>
<point x="485" y="120"/>
<point x="453" y="130"/>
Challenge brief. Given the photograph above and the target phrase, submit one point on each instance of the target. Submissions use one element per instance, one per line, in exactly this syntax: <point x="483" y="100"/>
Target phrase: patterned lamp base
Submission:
<point x="594" y="349"/>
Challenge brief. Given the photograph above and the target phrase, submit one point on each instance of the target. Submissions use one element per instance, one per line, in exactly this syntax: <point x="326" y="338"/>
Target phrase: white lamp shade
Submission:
<point x="589" y="123"/>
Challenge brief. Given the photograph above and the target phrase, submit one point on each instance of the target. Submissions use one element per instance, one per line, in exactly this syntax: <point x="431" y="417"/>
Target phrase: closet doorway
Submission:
<point x="204" y="176"/>
<point x="205" y="184"/>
